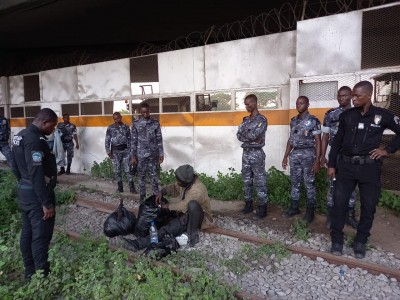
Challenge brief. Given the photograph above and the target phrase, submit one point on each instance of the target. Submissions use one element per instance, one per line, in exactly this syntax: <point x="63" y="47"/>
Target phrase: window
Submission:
<point x="31" y="88"/>
<point x="319" y="91"/>
<point x="2" y="111"/>
<point x="71" y="109"/>
<point x="266" y="98"/>
<point x="217" y="101"/>
<point x="30" y="113"/>
<point x="176" y="104"/>
<point x="144" y="75"/>
<point x="121" y="106"/>
<point x="152" y="102"/>
<point x="17" y="112"/>
<point x="91" y="108"/>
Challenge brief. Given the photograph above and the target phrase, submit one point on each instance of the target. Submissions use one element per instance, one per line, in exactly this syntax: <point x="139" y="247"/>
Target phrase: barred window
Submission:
<point x="71" y="109"/>
<point x="152" y="102"/>
<point x="176" y="104"/>
<point x="121" y="106"/>
<point x="216" y="101"/>
<point x="91" y="108"/>
<point x="267" y="98"/>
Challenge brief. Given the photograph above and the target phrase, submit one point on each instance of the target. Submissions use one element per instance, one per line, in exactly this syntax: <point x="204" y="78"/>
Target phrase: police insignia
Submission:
<point x="37" y="157"/>
<point x="259" y="125"/>
<point x="377" y="119"/>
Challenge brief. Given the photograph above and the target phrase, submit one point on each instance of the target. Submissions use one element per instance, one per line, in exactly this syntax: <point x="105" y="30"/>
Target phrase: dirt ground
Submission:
<point x="385" y="231"/>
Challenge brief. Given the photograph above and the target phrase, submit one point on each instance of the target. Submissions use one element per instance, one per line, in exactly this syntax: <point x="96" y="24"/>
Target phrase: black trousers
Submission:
<point x="367" y="177"/>
<point x="36" y="234"/>
<point x="189" y="222"/>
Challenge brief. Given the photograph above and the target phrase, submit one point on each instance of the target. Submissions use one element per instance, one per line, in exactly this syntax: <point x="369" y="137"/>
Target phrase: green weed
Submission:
<point x="300" y="229"/>
<point x="390" y="200"/>
<point x="64" y="196"/>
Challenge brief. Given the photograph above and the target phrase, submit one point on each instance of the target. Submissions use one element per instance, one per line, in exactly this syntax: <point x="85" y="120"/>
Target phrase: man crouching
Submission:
<point x="191" y="203"/>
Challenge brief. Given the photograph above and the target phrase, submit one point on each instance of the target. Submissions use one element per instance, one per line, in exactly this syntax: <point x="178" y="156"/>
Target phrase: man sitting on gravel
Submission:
<point x="192" y="204"/>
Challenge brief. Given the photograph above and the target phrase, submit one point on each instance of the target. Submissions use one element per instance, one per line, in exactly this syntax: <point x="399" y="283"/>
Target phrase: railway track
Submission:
<point x="371" y="268"/>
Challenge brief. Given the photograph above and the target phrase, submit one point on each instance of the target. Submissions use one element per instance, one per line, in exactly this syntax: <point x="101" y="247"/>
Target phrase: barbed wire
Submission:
<point x="274" y="21"/>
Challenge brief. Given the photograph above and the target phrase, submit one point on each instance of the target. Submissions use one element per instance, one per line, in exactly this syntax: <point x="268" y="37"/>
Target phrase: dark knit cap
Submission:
<point x="185" y="173"/>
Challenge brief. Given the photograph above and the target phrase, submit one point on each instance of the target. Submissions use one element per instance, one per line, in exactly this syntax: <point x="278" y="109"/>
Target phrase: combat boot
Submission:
<point x="120" y="187"/>
<point x="293" y="210"/>
<point x="309" y="216"/>
<point x="261" y="212"/>
<point x="132" y="187"/>
<point x="68" y="169"/>
<point x="248" y="208"/>
<point x="62" y="171"/>
<point x="328" y="218"/>
<point x="351" y="218"/>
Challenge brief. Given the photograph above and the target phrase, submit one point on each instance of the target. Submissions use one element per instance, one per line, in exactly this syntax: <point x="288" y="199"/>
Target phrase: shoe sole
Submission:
<point x="336" y="253"/>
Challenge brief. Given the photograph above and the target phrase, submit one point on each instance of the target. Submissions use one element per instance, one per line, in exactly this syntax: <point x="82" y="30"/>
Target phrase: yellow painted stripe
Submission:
<point x="228" y="118"/>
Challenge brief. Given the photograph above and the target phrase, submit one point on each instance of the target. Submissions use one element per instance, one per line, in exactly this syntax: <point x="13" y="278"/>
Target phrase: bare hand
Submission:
<point x="133" y="161"/>
<point x="48" y="212"/>
<point x="77" y="146"/>
<point x="158" y="198"/>
<point x="110" y="155"/>
<point x="315" y="168"/>
<point x="324" y="162"/>
<point x="331" y="173"/>
<point x="284" y="163"/>
<point x="161" y="159"/>
<point x="377" y="153"/>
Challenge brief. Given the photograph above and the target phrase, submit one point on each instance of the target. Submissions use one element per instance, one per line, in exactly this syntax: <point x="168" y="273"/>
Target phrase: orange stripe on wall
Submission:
<point x="228" y="118"/>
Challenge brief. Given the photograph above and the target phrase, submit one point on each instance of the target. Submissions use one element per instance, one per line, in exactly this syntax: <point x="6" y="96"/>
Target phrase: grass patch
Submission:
<point x="300" y="229"/>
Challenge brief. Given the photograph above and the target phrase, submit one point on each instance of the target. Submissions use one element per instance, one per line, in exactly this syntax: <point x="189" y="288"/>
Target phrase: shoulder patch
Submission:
<point x="37" y="157"/>
<point x="16" y="140"/>
<point x="331" y="110"/>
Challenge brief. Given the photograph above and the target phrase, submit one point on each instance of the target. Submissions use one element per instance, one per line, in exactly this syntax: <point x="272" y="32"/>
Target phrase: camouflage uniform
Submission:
<point x="302" y="157"/>
<point x="68" y="131"/>
<point x="252" y="134"/>
<point x="4" y="136"/>
<point x="118" y="141"/>
<point x="331" y="126"/>
<point x="147" y="147"/>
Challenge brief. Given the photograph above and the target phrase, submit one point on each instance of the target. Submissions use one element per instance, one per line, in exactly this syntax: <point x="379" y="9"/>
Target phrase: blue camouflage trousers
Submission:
<point x="121" y="159"/>
<point x="331" y="191"/>
<point x="253" y="172"/>
<point x="69" y="148"/>
<point x="6" y="151"/>
<point x="301" y="162"/>
<point x="150" y="166"/>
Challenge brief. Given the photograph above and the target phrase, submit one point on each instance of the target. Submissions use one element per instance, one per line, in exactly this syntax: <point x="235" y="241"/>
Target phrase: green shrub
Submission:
<point x="8" y="198"/>
<point x="103" y="170"/>
<point x="390" y="200"/>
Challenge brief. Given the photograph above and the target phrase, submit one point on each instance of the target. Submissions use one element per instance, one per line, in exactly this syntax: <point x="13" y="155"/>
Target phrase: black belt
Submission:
<point x="358" y="160"/>
<point x="119" y="147"/>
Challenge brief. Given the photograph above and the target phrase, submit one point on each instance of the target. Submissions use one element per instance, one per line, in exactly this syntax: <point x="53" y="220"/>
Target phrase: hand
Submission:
<point x="133" y="161"/>
<point x="48" y="212"/>
<point x="161" y="159"/>
<point x="158" y="198"/>
<point x="315" y="168"/>
<point x="77" y="146"/>
<point x="377" y="153"/>
<point x="324" y="162"/>
<point x="284" y="163"/>
<point x="331" y="173"/>
<point x="110" y="155"/>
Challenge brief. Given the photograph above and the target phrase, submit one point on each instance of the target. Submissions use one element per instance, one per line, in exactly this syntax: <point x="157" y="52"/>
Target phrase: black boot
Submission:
<point x="261" y="212"/>
<point x="131" y="245"/>
<point x="309" y="217"/>
<point x="293" y="210"/>
<point x="68" y="169"/>
<point x="62" y="171"/>
<point x="248" y="208"/>
<point x="351" y="218"/>
<point x="328" y="218"/>
<point x="132" y="187"/>
<point x="120" y="187"/>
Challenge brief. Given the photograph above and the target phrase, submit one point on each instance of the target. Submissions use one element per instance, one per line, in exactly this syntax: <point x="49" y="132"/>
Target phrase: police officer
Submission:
<point x="355" y="159"/>
<point x="329" y="130"/>
<point x="252" y="135"/>
<point x="118" y="145"/>
<point x="68" y="131"/>
<point x="4" y="136"/>
<point x="304" y="149"/>
<point x="146" y="149"/>
<point x="33" y="163"/>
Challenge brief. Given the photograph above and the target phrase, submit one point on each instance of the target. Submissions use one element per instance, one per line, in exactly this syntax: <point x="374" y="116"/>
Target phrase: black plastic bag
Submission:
<point x="120" y="222"/>
<point x="148" y="212"/>
<point x="167" y="245"/>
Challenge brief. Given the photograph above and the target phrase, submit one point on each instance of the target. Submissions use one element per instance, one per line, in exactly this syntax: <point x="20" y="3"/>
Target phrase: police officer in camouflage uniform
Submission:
<point x="118" y="145"/>
<point x="33" y="166"/>
<point x="304" y="150"/>
<point x="252" y="134"/>
<point x="329" y="130"/>
<point x="4" y="136"/>
<point x="68" y="131"/>
<point x="146" y="149"/>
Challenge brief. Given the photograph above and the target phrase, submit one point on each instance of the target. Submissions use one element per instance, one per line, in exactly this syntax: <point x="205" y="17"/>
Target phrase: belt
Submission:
<point x="252" y="149"/>
<point x="24" y="186"/>
<point x="119" y="147"/>
<point x="358" y="160"/>
<point x="301" y="148"/>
